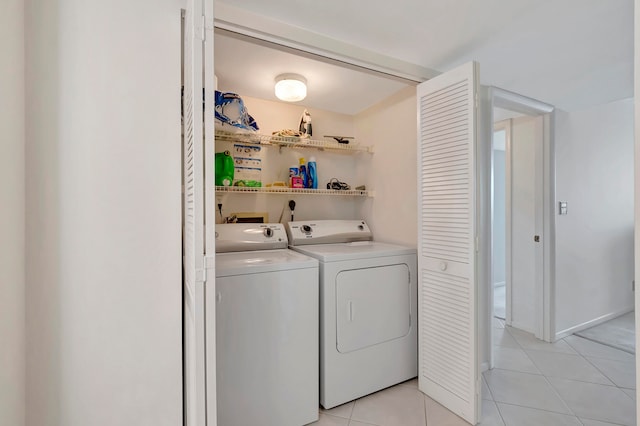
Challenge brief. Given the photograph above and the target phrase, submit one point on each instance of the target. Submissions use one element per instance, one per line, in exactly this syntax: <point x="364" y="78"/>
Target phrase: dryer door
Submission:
<point x="372" y="306"/>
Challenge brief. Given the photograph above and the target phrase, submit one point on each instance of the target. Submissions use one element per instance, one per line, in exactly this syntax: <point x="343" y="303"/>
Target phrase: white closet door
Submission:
<point x="195" y="391"/>
<point x="448" y="292"/>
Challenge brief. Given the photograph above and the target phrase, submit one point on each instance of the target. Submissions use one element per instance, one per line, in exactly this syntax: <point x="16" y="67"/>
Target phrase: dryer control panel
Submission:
<point x="327" y="232"/>
<point x="250" y="236"/>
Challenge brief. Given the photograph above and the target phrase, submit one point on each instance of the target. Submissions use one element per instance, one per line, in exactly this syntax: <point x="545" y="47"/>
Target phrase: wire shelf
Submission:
<point x="287" y="190"/>
<point x="289" y="141"/>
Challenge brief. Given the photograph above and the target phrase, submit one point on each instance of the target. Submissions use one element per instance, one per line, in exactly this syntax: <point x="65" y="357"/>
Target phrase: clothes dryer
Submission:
<point x="368" y="308"/>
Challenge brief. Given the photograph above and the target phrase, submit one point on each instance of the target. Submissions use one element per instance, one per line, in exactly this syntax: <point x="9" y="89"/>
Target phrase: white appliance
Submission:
<point x="266" y="328"/>
<point x="368" y="308"/>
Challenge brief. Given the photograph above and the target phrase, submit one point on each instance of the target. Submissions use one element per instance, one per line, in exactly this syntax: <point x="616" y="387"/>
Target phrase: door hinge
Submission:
<point x="201" y="274"/>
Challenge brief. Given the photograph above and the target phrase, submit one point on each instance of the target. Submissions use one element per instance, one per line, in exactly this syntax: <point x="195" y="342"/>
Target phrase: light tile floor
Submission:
<point x="571" y="382"/>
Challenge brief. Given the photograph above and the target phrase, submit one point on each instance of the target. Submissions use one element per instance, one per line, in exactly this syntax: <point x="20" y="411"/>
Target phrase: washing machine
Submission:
<point x="267" y="324"/>
<point x="368" y="308"/>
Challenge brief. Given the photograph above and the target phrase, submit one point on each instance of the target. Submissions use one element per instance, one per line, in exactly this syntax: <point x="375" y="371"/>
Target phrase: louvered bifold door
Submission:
<point x="448" y="336"/>
<point x="193" y="217"/>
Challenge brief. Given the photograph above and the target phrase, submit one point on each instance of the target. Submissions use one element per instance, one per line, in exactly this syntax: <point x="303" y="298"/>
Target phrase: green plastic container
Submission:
<point x="224" y="169"/>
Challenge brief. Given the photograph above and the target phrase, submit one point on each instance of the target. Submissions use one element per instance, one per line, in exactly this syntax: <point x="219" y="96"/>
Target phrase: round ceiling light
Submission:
<point x="291" y="87"/>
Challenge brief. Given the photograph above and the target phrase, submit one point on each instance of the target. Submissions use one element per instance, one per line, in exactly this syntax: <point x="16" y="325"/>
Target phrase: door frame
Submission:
<point x="545" y="287"/>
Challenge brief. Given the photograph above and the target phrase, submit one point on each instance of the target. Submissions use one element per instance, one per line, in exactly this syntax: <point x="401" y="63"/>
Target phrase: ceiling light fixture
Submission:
<point x="291" y="87"/>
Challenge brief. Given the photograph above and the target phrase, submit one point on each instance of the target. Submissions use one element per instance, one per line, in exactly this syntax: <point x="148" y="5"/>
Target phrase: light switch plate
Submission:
<point x="563" y="207"/>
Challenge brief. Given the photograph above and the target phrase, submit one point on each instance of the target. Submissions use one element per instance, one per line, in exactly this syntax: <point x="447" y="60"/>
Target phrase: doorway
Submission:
<point x="522" y="214"/>
<point x="517" y="218"/>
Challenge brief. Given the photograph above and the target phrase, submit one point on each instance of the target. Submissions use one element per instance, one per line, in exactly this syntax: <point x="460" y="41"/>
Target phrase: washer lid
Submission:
<point x="250" y="236"/>
<point x="353" y="251"/>
<point x="260" y="261"/>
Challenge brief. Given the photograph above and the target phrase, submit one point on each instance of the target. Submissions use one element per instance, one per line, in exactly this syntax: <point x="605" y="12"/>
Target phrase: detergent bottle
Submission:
<point x="304" y="174"/>
<point x="312" y="171"/>
<point x="224" y="169"/>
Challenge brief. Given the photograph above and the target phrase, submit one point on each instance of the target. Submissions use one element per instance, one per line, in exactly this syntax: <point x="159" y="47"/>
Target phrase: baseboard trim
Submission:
<point x="484" y="367"/>
<point x="588" y="324"/>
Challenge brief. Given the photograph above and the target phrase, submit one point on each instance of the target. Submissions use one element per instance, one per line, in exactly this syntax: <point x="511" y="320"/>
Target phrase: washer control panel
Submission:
<point x="250" y="236"/>
<point x="327" y="232"/>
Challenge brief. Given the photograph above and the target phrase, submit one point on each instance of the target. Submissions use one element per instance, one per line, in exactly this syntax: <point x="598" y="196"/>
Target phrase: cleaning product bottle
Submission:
<point x="312" y="170"/>
<point x="294" y="177"/>
<point x="304" y="174"/>
<point x="224" y="169"/>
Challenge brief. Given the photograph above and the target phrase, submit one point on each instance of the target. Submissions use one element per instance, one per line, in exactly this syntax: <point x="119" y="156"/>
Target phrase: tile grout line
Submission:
<point x="513" y="337"/>
<point x="602" y="421"/>
<point x="353" y="407"/>
<point x="604" y="374"/>
<point x="498" y="408"/>
<point x="537" y="409"/>
<point x="612" y="384"/>
<point x="559" y="396"/>
<point x="546" y="378"/>
<point x="586" y="358"/>
<point x="424" y="404"/>
<point x="549" y="383"/>
<point x="526" y="406"/>
<point x="598" y="343"/>
<point x="632" y="398"/>
<point x="487" y="383"/>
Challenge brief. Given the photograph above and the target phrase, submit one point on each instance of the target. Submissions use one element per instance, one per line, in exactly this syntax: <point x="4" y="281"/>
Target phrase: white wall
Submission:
<point x="594" y="242"/>
<point x="103" y="213"/>
<point x="392" y="170"/>
<point x="272" y="116"/>
<point x="12" y="307"/>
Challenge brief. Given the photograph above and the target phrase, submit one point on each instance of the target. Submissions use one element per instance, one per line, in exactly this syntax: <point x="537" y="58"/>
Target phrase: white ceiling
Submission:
<point x="570" y="53"/>
<point x="250" y="69"/>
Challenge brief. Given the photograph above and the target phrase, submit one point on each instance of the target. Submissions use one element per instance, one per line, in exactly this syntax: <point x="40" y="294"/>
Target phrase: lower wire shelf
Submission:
<point x="287" y="190"/>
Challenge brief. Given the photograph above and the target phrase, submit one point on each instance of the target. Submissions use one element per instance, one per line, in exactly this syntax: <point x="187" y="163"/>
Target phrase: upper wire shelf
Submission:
<point x="287" y="190"/>
<point x="289" y="141"/>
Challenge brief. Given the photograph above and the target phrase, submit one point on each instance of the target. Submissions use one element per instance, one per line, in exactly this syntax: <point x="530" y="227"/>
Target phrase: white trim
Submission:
<point x="539" y="230"/>
<point x="545" y="300"/>
<point x="514" y="102"/>
<point x="209" y="291"/>
<point x="636" y="120"/>
<point x="241" y="21"/>
<point x="484" y="367"/>
<point x="549" y="228"/>
<point x="506" y="126"/>
<point x="485" y="208"/>
<point x="592" y="323"/>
